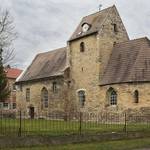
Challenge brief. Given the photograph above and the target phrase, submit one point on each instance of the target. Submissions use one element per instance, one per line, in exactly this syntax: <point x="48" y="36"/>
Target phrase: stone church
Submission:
<point x="100" y="69"/>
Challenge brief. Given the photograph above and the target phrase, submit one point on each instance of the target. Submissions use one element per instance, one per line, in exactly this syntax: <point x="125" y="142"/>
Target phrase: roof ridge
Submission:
<point x="132" y="40"/>
<point x="57" y="49"/>
<point x="99" y="11"/>
<point x="13" y="68"/>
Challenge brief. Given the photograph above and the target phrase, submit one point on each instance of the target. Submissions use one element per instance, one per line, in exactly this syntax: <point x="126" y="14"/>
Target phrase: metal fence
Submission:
<point x="53" y="124"/>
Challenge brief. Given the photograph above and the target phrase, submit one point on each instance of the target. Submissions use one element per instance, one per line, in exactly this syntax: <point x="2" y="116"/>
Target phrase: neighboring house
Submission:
<point x="10" y="103"/>
<point x="100" y="69"/>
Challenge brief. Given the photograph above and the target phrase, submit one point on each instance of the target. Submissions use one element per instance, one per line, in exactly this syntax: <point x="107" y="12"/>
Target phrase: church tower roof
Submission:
<point x="95" y="22"/>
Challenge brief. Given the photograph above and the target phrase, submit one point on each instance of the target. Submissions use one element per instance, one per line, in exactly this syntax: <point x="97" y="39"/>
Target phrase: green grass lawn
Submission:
<point x="60" y="127"/>
<point x="111" y="145"/>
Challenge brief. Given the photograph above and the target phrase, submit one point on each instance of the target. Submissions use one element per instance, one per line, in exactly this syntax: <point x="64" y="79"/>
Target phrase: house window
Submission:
<point x="19" y="87"/>
<point x="136" y="96"/>
<point x="115" y="28"/>
<point x="81" y="95"/>
<point x="44" y="98"/>
<point x="14" y="87"/>
<point x="112" y="96"/>
<point x="1" y="105"/>
<point x="14" y="106"/>
<point x="55" y="87"/>
<point x="5" y="105"/>
<point x="82" y="47"/>
<point x="27" y="94"/>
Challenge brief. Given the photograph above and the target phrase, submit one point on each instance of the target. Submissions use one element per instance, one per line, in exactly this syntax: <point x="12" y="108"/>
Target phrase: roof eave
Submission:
<point x="124" y="83"/>
<point x="77" y="38"/>
<point x="39" y="79"/>
<point x="12" y="78"/>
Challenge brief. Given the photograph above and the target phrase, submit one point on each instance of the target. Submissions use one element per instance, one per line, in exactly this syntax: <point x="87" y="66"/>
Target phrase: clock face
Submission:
<point x="85" y="27"/>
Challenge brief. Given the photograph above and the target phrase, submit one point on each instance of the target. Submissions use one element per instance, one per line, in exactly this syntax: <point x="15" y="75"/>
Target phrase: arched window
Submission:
<point x="81" y="95"/>
<point x="82" y="47"/>
<point x="112" y="96"/>
<point x="136" y="96"/>
<point x="44" y="98"/>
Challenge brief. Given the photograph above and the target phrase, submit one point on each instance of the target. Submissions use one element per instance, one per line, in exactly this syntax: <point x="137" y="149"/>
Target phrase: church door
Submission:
<point x="32" y="112"/>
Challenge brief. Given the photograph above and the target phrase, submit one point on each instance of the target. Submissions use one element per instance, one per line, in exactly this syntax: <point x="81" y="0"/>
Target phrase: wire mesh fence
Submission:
<point x="53" y="124"/>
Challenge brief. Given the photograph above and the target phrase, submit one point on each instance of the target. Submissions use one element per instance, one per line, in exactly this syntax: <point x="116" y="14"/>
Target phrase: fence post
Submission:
<point x="1" y="121"/>
<point x="125" y="122"/>
<point x="20" y="124"/>
<point x="80" y="123"/>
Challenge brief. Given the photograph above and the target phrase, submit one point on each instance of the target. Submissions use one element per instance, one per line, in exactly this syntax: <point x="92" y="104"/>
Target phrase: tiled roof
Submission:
<point x="129" y="62"/>
<point x="96" y="21"/>
<point x="45" y="65"/>
<point x="13" y="72"/>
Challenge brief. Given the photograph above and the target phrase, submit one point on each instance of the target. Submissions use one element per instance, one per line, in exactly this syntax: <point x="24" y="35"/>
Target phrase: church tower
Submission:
<point x="89" y="49"/>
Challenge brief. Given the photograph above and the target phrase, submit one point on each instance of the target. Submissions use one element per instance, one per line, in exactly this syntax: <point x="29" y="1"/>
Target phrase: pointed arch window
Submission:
<point x="136" y="96"/>
<point x="44" y="98"/>
<point x="112" y="96"/>
<point x="81" y="95"/>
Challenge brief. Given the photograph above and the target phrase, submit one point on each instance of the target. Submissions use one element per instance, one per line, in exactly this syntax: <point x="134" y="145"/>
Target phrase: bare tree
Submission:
<point x="4" y="89"/>
<point x="7" y="36"/>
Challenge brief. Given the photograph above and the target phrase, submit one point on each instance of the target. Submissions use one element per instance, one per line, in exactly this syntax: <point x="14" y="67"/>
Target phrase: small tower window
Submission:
<point x="136" y="96"/>
<point x="114" y="43"/>
<point x="69" y="84"/>
<point x="115" y="28"/>
<point x="82" y="47"/>
<point x="82" y="69"/>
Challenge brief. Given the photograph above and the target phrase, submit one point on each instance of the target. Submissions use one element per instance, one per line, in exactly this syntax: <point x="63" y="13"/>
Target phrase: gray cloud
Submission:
<point x="44" y="25"/>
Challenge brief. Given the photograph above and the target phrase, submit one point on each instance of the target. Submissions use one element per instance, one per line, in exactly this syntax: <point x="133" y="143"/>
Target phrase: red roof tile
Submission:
<point x="13" y="72"/>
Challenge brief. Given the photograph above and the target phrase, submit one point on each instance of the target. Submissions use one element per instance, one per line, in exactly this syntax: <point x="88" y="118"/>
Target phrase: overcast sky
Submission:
<point x="44" y="25"/>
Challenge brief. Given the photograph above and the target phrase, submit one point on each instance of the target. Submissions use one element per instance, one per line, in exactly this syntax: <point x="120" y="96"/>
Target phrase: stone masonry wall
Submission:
<point x="56" y="100"/>
<point x="126" y="99"/>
